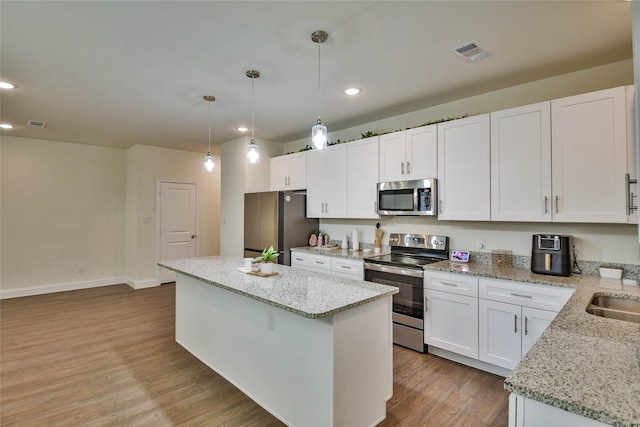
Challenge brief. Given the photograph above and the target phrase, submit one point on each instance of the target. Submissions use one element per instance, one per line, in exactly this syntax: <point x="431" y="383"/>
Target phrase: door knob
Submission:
<point x="193" y="236"/>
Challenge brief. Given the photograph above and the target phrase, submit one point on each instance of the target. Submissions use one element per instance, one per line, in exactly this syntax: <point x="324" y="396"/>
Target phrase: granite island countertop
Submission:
<point x="339" y="253"/>
<point x="582" y="363"/>
<point x="306" y="293"/>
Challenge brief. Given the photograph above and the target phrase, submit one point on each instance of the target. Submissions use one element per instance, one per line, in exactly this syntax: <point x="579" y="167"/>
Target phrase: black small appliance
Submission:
<point x="551" y="254"/>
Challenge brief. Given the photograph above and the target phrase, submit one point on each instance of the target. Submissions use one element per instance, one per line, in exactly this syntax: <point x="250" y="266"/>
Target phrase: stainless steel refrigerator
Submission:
<point x="277" y="218"/>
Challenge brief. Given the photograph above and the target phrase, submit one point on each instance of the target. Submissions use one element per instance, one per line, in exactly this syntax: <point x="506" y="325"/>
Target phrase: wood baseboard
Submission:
<point x="74" y="286"/>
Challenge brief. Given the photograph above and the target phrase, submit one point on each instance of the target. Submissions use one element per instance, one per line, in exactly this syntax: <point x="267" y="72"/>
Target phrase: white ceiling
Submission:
<point x="119" y="73"/>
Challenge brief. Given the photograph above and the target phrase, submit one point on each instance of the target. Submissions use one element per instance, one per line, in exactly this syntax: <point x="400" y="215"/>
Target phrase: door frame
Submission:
<point x="158" y="231"/>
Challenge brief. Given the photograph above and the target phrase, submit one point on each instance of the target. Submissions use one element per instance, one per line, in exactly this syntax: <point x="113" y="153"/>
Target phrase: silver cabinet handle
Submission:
<point x="546" y="203"/>
<point x="557" y="204"/>
<point x="521" y="295"/>
<point x="408" y="167"/>
<point x="402" y="168"/>
<point x="319" y="262"/>
<point x="440" y="206"/>
<point x="300" y="259"/>
<point x="285" y="181"/>
<point x="449" y="284"/>
<point x="630" y="206"/>
<point x="326" y="207"/>
<point x="346" y="266"/>
<point x="515" y="323"/>
<point x="425" y="303"/>
<point x="526" y="325"/>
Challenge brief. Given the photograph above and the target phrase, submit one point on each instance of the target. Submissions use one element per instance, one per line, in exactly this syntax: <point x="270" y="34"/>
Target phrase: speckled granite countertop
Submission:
<point x="303" y="292"/>
<point x="582" y="363"/>
<point x="337" y="252"/>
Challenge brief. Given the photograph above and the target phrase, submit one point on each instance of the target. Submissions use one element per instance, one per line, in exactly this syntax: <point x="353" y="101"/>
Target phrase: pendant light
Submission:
<point x="253" y="154"/>
<point x="209" y="164"/>
<point x="319" y="131"/>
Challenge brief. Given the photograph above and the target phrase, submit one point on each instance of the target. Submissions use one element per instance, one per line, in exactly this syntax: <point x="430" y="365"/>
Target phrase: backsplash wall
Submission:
<point x="604" y="243"/>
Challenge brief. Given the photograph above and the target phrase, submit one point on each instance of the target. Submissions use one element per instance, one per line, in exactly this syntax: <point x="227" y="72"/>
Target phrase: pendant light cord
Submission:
<point x="209" y="126"/>
<point x="252" y="107"/>
<point x="319" y="91"/>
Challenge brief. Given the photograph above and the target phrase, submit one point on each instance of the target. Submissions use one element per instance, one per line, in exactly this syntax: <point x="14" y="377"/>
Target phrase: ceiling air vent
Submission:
<point x="36" y="124"/>
<point x="472" y="51"/>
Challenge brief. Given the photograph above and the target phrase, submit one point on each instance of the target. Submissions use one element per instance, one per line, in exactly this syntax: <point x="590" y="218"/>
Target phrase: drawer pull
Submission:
<point x="526" y="325"/>
<point x="346" y="266"/>
<point x="319" y="262"/>
<point x="449" y="284"/>
<point x="521" y="295"/>
<point x="300" y="259"/>
<point x="515" y="323"/>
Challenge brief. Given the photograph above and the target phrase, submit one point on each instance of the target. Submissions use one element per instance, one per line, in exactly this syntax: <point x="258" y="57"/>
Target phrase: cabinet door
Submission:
<point x="534" y="322"/>
<point x="500" y="334"/>
<point x="464" y="169"/>
<point x="422" y="152"/>
<point x="279" y="173"/>
<point x="362" y="178"/>
<point x="589" y="157"/>
<point x="393" y="157"/>
<point x="315" y="183"/>
<point x="521" y="163"/>
<point x="297" y="171"/>
<point x="335" y="174"/>
<point x="451" y="322"/>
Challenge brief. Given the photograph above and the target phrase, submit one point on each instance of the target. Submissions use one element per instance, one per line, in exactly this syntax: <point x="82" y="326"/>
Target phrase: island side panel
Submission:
<point x="363" y="341"/>
<point x="288" y="370"/>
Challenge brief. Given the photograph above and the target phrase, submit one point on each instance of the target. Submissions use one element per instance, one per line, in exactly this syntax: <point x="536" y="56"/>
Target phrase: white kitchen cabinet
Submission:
<point x="362" y="178"/>
<point x="633" y="189"/>
<point x="409" y="154"/>
<point x="464" y="169"/>
<point x="525" y="412"/>
<point x="521" y="163"/>
<point x="343" y="267"/>
<point x="451" y="313"/>
<point x="589" y="152"/>
<point x="327" y="182"/>
<point x="512" y="316"/>
<point x="289" y="172"/>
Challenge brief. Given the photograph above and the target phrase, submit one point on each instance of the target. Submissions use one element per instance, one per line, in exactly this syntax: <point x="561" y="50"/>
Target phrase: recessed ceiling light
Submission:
<point x="6" y="126"/>
<point x="352" y="91"/>
<point x="7" y="85"/>
<point x="242" y="128"/>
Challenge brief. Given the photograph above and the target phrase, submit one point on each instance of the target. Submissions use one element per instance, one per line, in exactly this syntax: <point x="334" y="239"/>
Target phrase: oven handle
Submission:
<point x="394" y="270"/>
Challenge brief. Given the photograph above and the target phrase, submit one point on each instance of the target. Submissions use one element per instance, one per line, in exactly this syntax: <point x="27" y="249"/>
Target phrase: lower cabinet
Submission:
<point x="525" y="412"/>
<point x="343" y="267"/>
<point x="507" y="331"/>
<point x="451" y="313"/>
<point x="492" y="323"/>
<point x="512" y="316"/>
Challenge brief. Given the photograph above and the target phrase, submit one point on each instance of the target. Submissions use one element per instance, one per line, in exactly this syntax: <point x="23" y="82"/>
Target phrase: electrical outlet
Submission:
<point x="481" y="244"/>
<point x="271" y="320"/>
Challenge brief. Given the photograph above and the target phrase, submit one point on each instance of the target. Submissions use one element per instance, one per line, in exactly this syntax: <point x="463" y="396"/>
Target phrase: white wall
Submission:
<point x="66" y="205"/>
<point x="147" y="166"/>
<point x="62" y="207"/>
<point x="239" y="177"/>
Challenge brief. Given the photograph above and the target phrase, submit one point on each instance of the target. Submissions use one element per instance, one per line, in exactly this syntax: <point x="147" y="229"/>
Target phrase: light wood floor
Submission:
<point x="107" y="357"/>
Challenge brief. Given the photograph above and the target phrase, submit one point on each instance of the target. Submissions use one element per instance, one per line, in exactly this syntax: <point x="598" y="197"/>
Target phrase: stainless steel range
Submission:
<point x="403" y="268"/>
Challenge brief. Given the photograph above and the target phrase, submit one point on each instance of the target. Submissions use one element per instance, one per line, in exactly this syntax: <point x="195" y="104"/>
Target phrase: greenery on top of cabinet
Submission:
<point x="370" y="134"/>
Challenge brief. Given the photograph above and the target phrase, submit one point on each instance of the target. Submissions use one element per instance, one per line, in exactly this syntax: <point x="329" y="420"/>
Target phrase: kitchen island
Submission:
<point x="311" y="348"/>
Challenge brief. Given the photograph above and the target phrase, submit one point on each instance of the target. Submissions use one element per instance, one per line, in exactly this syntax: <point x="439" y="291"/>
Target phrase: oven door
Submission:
<point x="410" y="282"/>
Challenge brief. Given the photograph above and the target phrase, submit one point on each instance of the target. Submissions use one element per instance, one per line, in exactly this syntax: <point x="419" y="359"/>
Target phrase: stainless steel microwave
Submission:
<point x="416" y="197"/>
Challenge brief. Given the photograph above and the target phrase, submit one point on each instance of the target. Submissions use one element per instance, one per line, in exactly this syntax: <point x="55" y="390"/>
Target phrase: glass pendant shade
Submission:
<point x="209" y="164"/>
<point x="319" y="135"/>
<point x="253" y="154"/>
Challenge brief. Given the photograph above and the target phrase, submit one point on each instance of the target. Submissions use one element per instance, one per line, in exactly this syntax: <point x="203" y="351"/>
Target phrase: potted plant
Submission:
<point x="268" y="254"/>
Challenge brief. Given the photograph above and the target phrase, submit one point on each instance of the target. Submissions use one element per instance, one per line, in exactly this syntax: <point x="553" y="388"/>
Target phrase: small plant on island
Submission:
<point x="267" y="255"/>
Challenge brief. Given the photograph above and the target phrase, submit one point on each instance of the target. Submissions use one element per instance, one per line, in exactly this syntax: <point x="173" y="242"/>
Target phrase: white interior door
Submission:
<point x="178" y="223"/>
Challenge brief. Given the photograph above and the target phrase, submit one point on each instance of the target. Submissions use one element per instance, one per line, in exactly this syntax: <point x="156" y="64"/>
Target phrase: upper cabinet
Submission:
<point x="327" y="182"/>
<point x="521" y="163"/>
<point x="589" y="152"/>
<point x="289" y="172"/>
<point x="362" y="178"/>
<point x="409" y="154"/>
<point x="464" y="169"/>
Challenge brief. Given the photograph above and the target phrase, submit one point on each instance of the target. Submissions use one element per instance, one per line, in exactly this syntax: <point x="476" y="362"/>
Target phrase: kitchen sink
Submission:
<point x="612" y="307"/>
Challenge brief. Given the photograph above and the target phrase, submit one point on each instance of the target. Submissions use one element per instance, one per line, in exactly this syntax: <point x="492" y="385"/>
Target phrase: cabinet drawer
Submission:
<point x="347" y="268"/>
<point x="524" y="294"/>
<point x="306" y="260"/>
<point x="453" y="283"/>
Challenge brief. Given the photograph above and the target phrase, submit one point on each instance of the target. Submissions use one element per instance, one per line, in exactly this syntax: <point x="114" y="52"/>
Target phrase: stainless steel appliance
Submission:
<point x="416" y="197"/>
<point x="277" y="218"/>
<point x="551" y="254"/>
<point x="403" y="268"/>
